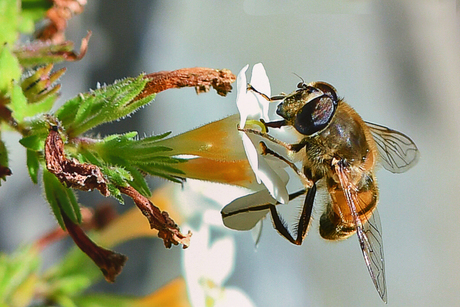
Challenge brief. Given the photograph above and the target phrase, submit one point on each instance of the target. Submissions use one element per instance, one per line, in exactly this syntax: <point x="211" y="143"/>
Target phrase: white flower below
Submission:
<point x="208" y="265"/>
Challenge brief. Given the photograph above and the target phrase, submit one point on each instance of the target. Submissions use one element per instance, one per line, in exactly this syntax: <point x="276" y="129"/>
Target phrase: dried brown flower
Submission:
<point x="167" y="228"/>
<point x="198" y="77"/>
<point x="110" y="262"/>
<point x="58" y="15"/>
<point x="82" y="176"/>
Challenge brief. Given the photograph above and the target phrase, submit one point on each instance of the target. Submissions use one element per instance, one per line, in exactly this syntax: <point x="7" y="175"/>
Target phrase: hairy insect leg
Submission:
<point x="304" y="220"/>
<point x="273" y="98"/>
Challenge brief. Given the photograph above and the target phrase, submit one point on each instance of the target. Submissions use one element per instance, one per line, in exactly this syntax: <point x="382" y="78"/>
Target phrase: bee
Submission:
<point x="340" y="150"/>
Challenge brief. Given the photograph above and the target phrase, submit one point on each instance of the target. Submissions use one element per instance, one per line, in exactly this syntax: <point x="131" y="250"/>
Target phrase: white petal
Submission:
<point x="278" y="167"/>
<point x="246" y="218"/>
<point x="241" y="93"/>
<point x="259" y="80"/>
<point x="220" y="260"/>
<point x="241" y="81"/>
<point x="234" y="297"/>
<point x="249" y="107"/>
<point x="205" y="262"/>
<point x="193" y="266"/>
<point x="251" y="153"/>
<point x="275" y="185"/>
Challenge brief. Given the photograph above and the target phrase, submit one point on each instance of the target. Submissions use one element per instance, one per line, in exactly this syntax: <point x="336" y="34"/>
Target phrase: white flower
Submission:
<point x="208" y="265"/>
<point x="253" y="106"/>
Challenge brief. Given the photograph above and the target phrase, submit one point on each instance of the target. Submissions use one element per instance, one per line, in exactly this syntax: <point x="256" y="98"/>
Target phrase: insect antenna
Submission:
<point x="301" y="84"/>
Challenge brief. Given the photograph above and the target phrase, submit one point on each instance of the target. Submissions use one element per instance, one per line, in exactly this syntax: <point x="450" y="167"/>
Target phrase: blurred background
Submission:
<point x="397" y="62"/>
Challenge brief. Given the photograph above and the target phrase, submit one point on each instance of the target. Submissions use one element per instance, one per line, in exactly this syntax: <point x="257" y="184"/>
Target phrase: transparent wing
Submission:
<point x="370" y="239"/>
<point x="369" y="233"/>
<point x="397" y="151"/>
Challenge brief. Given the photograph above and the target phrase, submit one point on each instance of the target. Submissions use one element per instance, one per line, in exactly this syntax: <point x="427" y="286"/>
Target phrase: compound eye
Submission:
<point x="327" y="89"/>
<point x="315" y="115"/>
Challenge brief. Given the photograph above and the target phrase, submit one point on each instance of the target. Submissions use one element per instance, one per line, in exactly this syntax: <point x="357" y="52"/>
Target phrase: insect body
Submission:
<point x="336" y="146"/>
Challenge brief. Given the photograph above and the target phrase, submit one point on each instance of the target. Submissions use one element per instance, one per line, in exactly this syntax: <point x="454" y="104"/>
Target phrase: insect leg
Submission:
<point x="267" y="151"/>
<point x="274" y="124"/>
<point x="304" y="219"/>
<point x="290" y="147"/>
<point x="273" y="98"/>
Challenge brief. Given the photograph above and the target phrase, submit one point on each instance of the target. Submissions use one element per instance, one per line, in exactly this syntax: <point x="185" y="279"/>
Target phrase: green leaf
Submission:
<point x="71" y="285"/>
<point x="33" y="165"/>
<point x="33" y="142"/>
<point x="9" y="19"/>
<point x="60" y="198"/>
<point x="13" y="20"/>
<point x="117" y="176"/>
<point x="143" y="156"/>
<point x="133" y="151"/>
<point x="16" y="271"/>
<point x="40" y="87"/>
<point x="139" y="182"/>
<point x="34" y="10"/>
<point x="18" y="103"/>
<point x="85" y="108"/>
<point x="105" y="104"/>
<point x="5" y="171"/>
<point x="9" y="67"/>
<point x="38" y="128"/>
<point x="49" y="187"/>
<point x="3" y="154"/>
<point x="75" y="206"/>
<point x="103" y="300"/>
<point x="115" y="193"/>
<point x="163" y="171"/>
